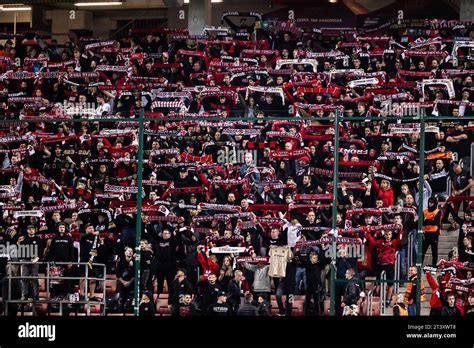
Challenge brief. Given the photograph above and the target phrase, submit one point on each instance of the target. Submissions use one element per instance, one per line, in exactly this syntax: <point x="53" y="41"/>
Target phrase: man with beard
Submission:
<point x="186" y="307"/>
<point x="91" y="247"/>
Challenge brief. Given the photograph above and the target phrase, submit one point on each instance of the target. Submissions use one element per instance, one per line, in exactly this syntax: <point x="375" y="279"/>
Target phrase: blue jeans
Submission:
<point x="402" y="254"/>
<point x="300" y="276"/>
<point x="412" y="310"/>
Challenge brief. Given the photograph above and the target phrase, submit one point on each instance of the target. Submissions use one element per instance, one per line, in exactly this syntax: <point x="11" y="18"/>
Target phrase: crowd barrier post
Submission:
<point x="334" y="213"/>
<point x="138" y="229"/>
<point x="419" y="259"/>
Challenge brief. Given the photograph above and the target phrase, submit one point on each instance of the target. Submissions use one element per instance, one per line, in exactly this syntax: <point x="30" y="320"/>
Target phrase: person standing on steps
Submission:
<point x="411" y="290"/>
<point x="431" y="229"/>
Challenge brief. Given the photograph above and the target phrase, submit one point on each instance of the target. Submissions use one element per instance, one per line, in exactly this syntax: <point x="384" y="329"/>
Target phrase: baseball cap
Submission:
<point x="221" y="293"/>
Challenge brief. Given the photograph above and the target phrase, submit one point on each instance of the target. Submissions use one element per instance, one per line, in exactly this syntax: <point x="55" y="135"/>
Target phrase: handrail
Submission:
<point x="411" y="244"/>
<point x="383" y="292"/>
<point x="398" y="263"/>
<point x="471" y="165"/>
<point x="370" y="298"/>
<point x="48" y="278"/>
<point x="448" y="186"/>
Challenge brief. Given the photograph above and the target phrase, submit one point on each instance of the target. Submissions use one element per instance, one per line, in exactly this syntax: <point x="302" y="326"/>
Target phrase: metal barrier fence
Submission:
<point x="471" y="165"/>
<point x="50" y="278"/>
<point x="383" y="293"/>
<point x="398" y="265"/>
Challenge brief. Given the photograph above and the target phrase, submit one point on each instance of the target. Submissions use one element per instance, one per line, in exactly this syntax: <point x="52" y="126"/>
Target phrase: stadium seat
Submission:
<point x="162" y="307"/>
<point x="41" y="308"/>
<point x="111" y="284"/>
<point x="327" y="307"/>
<point x="376" y="306"/>
<point x="299" y="306"/>
<point x="43" y="295"/>
<point x="41" y="283"/>
<point x="95" y="308"/>
<point x="299" y="297"/>
<point x="369" y="285"/>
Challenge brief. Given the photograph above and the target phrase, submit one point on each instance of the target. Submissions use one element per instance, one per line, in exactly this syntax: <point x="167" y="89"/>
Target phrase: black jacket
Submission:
<point x="208" y="295"/>
<point x="166" y="251"/>
<point x="351" y="293"/>
<point x="219" y="309"/>
<point x="146" y="260"/>
<point x="32" y="242"/>
<point x="313" y="276"/>
<point x="247" y="309"/>
<point x="177" y="290"/>
<point x="469" y="311"/>
<point x="125" y="270"/>
<point x="62" y="249"/>
<point x="234" y="293"/>
<point x="450" y="312"/>
<point x="147" y="309"/>
<point x="264" y="309"/>
<point x="183" y="310"/>
<point x="87" y="242"/>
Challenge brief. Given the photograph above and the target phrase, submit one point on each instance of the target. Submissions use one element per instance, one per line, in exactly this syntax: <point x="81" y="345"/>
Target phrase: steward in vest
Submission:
<point x="432" y="217"/>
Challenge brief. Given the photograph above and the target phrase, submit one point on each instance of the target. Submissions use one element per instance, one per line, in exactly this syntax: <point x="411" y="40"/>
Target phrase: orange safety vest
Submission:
<point x="408" y="299"/>
<point x="430" y="216"/>
<point x="402" y="310"/>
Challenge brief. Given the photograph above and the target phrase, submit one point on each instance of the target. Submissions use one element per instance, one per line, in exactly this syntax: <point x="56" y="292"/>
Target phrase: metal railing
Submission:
<point x="383" y="293"/>
<point x="471" y="165"/>
<point x="448" y="186"/>
<point x="398" y="264"/>
<point x="370" y="299"/>
<point x="411" y="245"/>
<point x="48" y="277"/>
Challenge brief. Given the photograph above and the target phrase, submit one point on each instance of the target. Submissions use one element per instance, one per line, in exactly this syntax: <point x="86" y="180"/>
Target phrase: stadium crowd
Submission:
<point x="238" y="165"/>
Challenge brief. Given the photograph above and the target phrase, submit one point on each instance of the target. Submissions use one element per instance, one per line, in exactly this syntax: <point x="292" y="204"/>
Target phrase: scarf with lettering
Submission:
<point x="253" y="260"/>
<point x="312" y="62"/>
<point x="386" y="177"/>
<point x="239" y="131"/>
<point x="274" y="90"/>
<point x="223" y="207"/>
<point x="289" y="154"/>
<point x="121" y="189"/>
<point x="60" y="207"/>
<point x="185" y="156"/>
<point x="334" y="91"/>
<point x="312" y="196"/>
<point x="330" y="173"/>
<point x="269" y="186"/>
